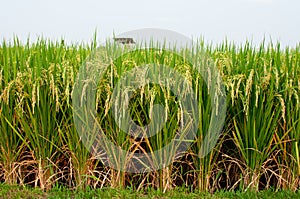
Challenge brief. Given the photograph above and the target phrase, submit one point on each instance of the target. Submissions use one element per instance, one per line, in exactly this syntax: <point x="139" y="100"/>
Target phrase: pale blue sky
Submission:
<point x="76" y="21"/>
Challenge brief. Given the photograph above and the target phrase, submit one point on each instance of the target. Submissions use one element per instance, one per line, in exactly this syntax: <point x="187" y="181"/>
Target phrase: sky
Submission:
<point x="213" y="20"/>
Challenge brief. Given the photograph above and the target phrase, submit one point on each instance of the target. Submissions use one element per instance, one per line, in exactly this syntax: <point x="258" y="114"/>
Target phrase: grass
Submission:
<point x="258" y="147"/>
<point x="10" y="192"/>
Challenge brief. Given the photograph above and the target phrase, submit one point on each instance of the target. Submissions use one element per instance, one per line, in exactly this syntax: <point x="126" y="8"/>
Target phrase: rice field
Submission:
<point x="257" y="150"/>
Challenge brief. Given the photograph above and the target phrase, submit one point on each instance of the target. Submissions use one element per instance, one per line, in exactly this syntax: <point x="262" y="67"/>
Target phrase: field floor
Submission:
<point x="21" y="192"/>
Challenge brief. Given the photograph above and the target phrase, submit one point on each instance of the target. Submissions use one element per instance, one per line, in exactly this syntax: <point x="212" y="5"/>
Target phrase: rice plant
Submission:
<point x="40" y="144"/>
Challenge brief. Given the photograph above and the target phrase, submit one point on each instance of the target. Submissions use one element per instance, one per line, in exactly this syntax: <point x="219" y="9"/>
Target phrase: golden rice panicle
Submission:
<point x="283" y="107"/>
<point x="249" y="83"/>
<point x="33" y="97"/>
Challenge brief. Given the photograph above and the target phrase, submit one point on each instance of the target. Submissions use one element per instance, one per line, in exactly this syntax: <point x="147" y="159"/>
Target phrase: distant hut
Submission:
<point x="124" y="40"/>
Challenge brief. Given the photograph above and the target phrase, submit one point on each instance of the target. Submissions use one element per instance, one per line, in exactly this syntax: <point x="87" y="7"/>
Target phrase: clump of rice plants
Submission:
<point x="258" y="149"/>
